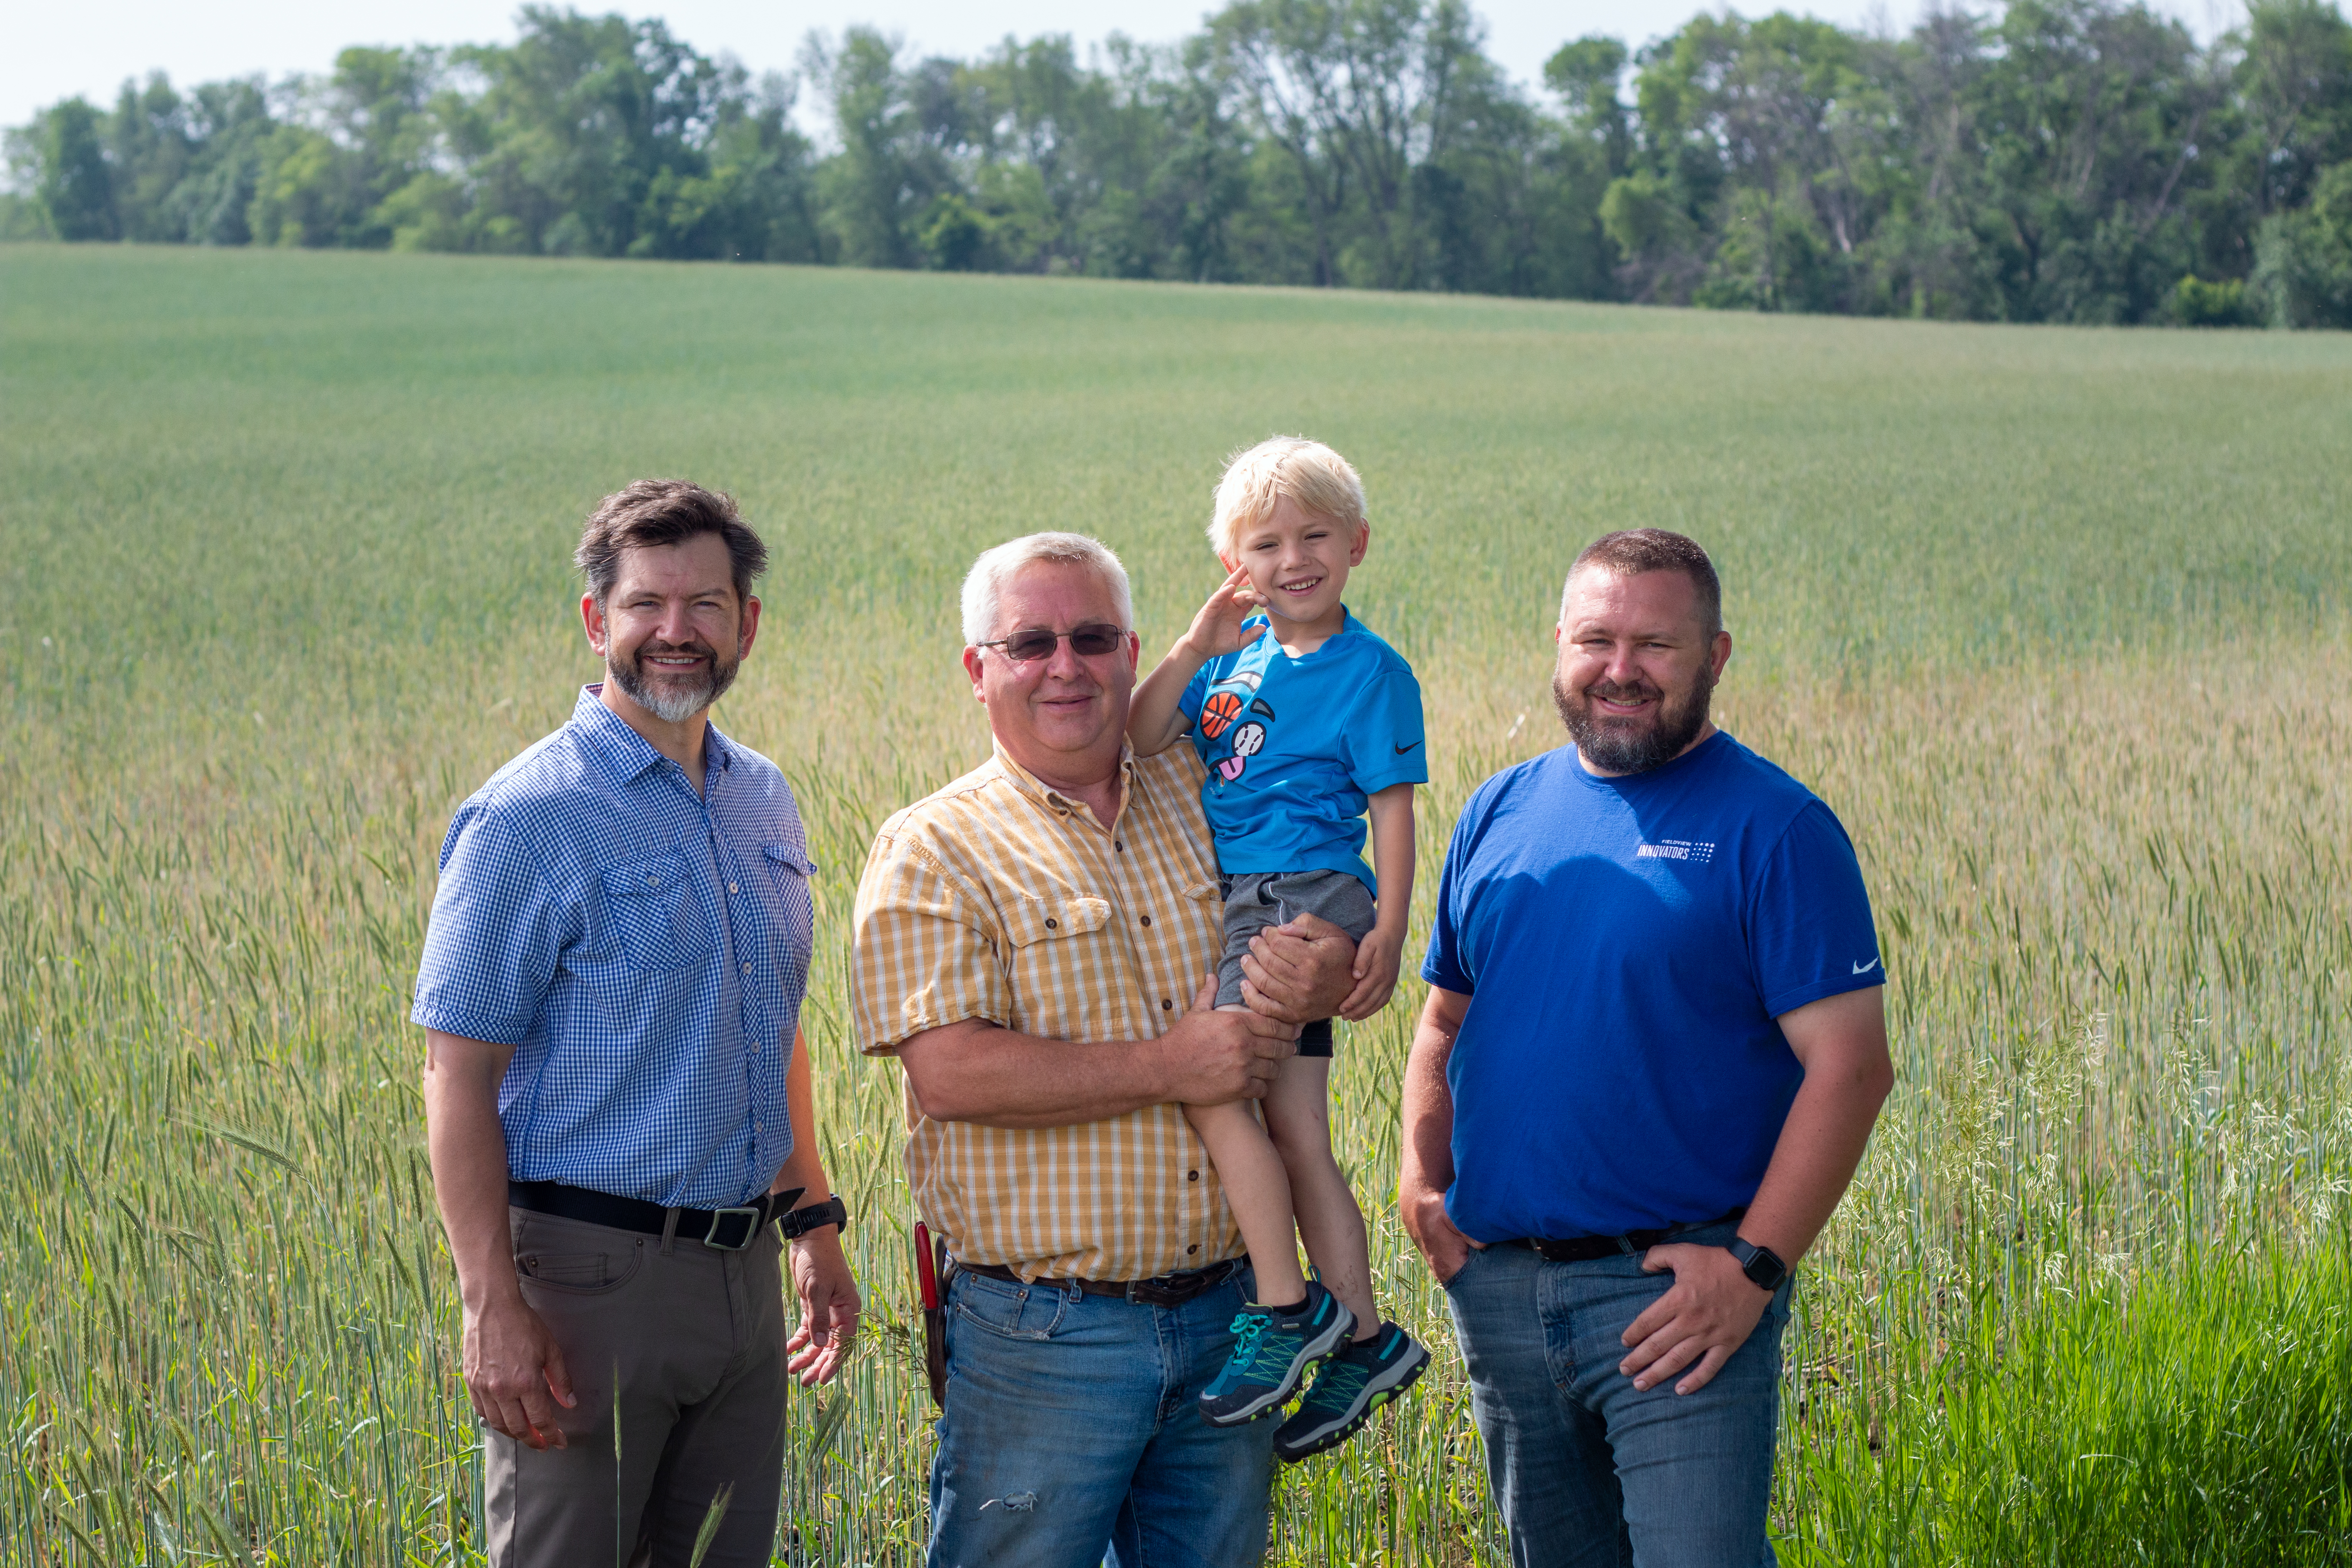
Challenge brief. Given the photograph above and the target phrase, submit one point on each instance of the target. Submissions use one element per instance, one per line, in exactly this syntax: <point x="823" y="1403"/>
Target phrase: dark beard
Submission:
<point x="1615" y="747"/>
<point x="668" y="699"/>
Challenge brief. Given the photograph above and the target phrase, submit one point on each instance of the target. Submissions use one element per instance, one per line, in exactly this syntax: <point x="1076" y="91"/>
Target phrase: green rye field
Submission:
<point x="2059" y="621"/>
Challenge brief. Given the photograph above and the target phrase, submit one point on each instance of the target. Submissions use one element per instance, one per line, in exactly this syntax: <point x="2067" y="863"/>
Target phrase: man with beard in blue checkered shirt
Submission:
<point x="616" y="1091"/>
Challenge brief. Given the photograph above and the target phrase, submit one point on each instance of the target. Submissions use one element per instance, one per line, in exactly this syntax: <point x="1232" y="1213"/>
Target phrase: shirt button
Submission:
<point x="1192" y="1249"/>
<point x="747" y="969"/>
<point x="1146" y="919"/>
<point x="1051" y="924"/>
<point x="1166" y="1005"/>
<point x="734" y="889"/>
<point x="1114" y="844"/>
<point x="1192" y="1175"/>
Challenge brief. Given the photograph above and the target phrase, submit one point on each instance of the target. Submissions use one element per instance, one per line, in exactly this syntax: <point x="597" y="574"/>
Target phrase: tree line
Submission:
<point x="2077" y="161"/>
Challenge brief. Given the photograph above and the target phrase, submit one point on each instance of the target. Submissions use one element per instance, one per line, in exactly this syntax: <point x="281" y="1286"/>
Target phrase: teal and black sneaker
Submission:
<point x="1351" y="1386"/>
<point x="1272" y="1351"/>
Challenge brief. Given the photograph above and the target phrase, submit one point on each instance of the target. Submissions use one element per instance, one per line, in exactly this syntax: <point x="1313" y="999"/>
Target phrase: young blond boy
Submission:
<point x="1306" y="720"/>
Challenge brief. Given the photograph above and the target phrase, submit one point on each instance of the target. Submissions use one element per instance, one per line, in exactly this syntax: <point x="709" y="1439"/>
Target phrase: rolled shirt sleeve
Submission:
<point x="497" y="935"/>
<point x="924" y="951"/>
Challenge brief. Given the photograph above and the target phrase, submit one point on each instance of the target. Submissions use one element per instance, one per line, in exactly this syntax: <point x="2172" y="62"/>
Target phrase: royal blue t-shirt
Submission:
<point x="1626" y="945"/>
<point x="1294" y="747"/>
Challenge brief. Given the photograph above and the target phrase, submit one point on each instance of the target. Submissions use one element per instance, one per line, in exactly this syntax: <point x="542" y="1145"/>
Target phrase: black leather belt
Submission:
<point x="1585" y="1248"/>
<point x="1163" y="1290"/>
<point x="726" y="1230"/>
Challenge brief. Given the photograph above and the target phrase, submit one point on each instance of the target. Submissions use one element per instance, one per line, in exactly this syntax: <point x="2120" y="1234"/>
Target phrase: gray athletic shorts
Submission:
<point x="1256" y="900"/>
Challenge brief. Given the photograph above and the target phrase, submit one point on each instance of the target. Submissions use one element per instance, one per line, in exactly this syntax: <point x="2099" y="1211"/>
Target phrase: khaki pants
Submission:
<point x="676" y="1358"/>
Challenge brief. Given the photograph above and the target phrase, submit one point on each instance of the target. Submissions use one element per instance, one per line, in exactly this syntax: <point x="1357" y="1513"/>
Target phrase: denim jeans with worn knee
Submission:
<point x="1073" y="1434"/>
<point x="1588" y="1472"/>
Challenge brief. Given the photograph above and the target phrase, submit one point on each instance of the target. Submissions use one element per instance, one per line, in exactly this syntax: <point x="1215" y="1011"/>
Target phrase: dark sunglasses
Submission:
<point x="1036" y="642"/>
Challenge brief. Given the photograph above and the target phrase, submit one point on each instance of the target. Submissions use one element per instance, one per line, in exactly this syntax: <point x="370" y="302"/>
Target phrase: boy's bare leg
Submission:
<point x="1257" y="1190"/>
<point x="1299" y="1125"/>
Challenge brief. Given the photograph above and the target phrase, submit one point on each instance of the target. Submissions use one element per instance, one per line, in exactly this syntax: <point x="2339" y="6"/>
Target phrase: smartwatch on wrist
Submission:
<point x="799" y="1221"/>
<point x="1760" y="1264"/>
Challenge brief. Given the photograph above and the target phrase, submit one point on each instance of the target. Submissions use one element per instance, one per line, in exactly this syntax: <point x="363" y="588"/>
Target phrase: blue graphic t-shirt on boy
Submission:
<point x="1627" y="945"/>
<point x="1296" y="747"/>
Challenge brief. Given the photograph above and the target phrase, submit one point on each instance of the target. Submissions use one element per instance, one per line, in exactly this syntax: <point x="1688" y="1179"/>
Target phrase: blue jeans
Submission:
<point x="1072" y="1430"/>
<point x="1588" y="1471"/>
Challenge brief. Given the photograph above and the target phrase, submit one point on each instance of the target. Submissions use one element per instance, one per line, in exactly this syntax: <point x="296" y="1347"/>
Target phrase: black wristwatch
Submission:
<point x="1760" y="1264"/>
<point x="799" y="1221"/>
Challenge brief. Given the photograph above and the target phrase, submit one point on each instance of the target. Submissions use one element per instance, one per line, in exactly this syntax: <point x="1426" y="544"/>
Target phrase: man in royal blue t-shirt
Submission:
<point x="1653" y="1052"/>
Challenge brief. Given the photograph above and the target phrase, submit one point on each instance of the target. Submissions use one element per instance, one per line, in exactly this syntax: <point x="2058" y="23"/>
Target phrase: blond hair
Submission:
<point x="1308" y="472"/>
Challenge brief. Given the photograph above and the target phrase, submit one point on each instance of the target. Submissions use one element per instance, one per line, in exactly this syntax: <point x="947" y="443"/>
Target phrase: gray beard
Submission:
<point x="1615" y="749"/>
<point x="667" y="698"/>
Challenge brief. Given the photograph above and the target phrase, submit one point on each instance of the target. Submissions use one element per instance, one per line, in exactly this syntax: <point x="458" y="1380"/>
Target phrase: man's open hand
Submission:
<point x="822" y="1340"/>
<point x="1299" y="972"/>
<point x="1708" y="1315"/>
<point x="514" y="1372"/>
<point x="1215" y="1056"/>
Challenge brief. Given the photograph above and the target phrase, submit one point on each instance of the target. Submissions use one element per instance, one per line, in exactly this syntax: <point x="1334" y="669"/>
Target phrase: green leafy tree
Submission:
<point x="69" y="173"/>
<point x="869" y="192"/>
<point x="2303" y="266"/>
<point x="2068" y="159"/>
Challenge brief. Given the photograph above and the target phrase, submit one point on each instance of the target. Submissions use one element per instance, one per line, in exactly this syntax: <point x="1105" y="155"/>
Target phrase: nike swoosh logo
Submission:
<point x="1402" y="750"/>
<point x="1865" y="968"/>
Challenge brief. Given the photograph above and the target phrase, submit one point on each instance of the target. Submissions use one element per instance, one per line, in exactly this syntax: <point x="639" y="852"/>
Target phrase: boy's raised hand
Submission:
<point x="1217" y="630"/>
<point x="1376" y="974"/>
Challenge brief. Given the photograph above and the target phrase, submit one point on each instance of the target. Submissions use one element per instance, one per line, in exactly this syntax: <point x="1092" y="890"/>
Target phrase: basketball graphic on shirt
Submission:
<point x="1219" y="712"/>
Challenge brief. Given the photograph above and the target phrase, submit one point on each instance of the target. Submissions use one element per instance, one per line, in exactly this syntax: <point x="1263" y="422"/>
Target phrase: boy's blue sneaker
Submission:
<point x="1351" y="1386"/>
<point x="1272" y="1351"/>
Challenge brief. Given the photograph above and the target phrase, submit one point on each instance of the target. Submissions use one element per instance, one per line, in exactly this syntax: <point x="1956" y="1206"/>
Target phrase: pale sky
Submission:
<point x="53" y="50"/>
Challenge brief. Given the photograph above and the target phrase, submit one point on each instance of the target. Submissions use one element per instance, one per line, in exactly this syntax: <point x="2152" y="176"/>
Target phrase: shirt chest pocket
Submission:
<point x="789" y="869"/>
<point x="1047" y="930"/>
<point x="656" y="917"/>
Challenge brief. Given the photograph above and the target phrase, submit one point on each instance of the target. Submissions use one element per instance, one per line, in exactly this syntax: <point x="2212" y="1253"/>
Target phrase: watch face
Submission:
<point x="1760" y="1264"/>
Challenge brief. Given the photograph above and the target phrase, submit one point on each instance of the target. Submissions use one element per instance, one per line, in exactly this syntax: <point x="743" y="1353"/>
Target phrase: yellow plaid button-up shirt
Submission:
<point x="1000" y="898"/>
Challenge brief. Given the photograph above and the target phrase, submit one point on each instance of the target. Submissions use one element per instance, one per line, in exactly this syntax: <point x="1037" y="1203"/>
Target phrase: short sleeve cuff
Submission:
<point x="468" y="1025"/>
<point x="1435" y="973"/>
<point x="1372" y="784"/>
<point x="1828" y="985"/>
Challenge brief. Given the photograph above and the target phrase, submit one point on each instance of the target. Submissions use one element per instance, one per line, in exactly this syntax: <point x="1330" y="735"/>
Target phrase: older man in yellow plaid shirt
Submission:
<point x="1034" y="943"/>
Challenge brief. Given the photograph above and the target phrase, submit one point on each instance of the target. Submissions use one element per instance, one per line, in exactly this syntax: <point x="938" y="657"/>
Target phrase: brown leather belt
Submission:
<point x="1585" y="1248"/>
<point x="1165" y="1290"/>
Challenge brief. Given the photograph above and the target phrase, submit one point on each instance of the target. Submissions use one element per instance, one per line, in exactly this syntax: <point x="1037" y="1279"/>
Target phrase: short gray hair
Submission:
<point x="985" y="581"/>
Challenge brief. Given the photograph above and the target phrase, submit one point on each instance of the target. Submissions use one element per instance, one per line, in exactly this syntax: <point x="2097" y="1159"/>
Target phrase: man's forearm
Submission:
<point x="469" y="1150"/>
<point x="804" y="1167"/>
<point x="1425" y="1161"/>
<point x="980" y="1072"/>
<point x="1820" y="1146"/>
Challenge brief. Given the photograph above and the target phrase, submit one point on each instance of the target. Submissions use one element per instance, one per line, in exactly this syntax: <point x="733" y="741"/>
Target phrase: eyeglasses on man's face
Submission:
<point x="1089" y="641"/>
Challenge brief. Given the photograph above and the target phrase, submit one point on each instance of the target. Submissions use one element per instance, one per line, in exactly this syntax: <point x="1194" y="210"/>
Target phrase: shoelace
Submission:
<point x="1247" y="1328"/>
<point x="1339" y="1379"/>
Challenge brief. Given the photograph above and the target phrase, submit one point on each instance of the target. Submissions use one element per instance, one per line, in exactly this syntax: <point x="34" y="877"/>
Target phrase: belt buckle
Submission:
<point x="750" y="1214"/>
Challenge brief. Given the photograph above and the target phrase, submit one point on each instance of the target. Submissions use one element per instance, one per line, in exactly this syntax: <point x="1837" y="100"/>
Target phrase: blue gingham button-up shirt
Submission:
<point x="645" y="949"/>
